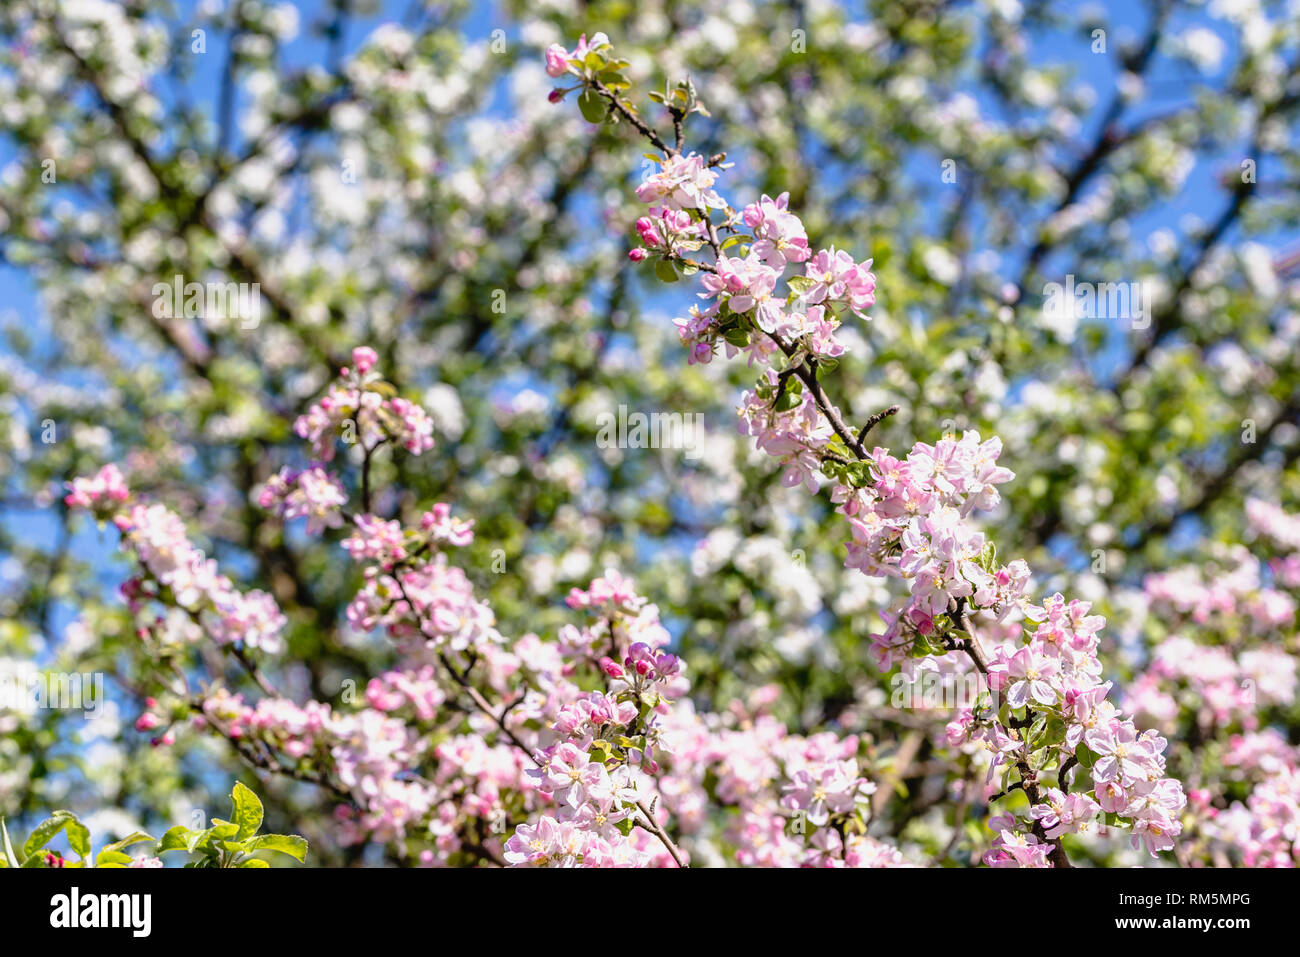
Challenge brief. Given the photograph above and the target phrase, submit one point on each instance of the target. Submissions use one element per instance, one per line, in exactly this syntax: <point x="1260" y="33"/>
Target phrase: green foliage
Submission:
<point x="231" y="844"/>
<point x="224" y="844"/>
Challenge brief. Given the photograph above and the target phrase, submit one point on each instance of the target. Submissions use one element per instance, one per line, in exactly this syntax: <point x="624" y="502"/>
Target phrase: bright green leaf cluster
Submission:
<point x="224" y="844"/>
<point x="231" y="843"/>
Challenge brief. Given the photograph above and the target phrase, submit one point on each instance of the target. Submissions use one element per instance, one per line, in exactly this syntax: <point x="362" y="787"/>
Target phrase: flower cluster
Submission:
<point x="560" y="61"/>
<point x="1223" y="670"/>
<point x="1056" y="673"/>
<point x="796" y="801"/>
<point x="1230" y="584"/>
<point x="598" y="767"/>
<point x="368" y="754"/>
<point x="681" y="183"/>
<point x="831" y="787"/>
<point x="1224" y="688"/>
<point x="1203" y="667"/>
<point x="310" y="493"/>
<point x="105" y="489"/>
<point x="429" y="603"/>
<point x="1261" y="830"/>
<point x="359" y="407"/>
<point x="910" y="523"/>
<point x="592" y="752"/>
<point x="171" y="563"/>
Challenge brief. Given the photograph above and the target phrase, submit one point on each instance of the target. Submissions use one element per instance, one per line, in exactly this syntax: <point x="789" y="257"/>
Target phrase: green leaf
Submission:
<point x="592" y="107"/>
<point x="223" y="830"/>
<point x="613" y="79"/>
<point x="1054" y="733"/>
<point x="49" y="829"/>
<point x="107" y="858"/>
<point x="194" y="839"/>
<point x="789" y="398"/>
<point x="253" y="862"/>
<point x="665" y="271"/>
<point x="1036" y="731"/>
<point x="989" y="556"/>
<point x="176" y="839"/>
<point x="44" y="833"/>
<point x="291" y="844"/>
<point x="247" y="811"/>
<point x="10" y="860"/>
<point x="1085" y="755"/>
<point x="79" y="839"/>
<point x="136" y="838"/>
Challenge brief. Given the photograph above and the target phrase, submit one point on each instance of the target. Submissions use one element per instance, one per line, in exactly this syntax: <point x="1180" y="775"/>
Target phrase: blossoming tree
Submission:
<point x="401" y="690"/>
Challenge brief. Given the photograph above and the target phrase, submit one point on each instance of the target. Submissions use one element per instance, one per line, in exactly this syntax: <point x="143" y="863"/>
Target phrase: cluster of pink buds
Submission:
<point x="359" y="408"/>
<point x="153" y="718"/>
<point x="646" y="663"/>
<point x="666" y="230"/>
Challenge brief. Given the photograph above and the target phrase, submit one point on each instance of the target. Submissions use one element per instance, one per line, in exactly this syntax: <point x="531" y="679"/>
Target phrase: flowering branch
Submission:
<point x="908" y="518"/>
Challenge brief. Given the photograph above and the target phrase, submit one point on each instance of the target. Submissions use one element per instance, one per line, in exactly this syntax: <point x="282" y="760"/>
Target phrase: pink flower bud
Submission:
<point x="364" y="358"/>
<point x="557" y="60"/>
<point x="645" y="228"/>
